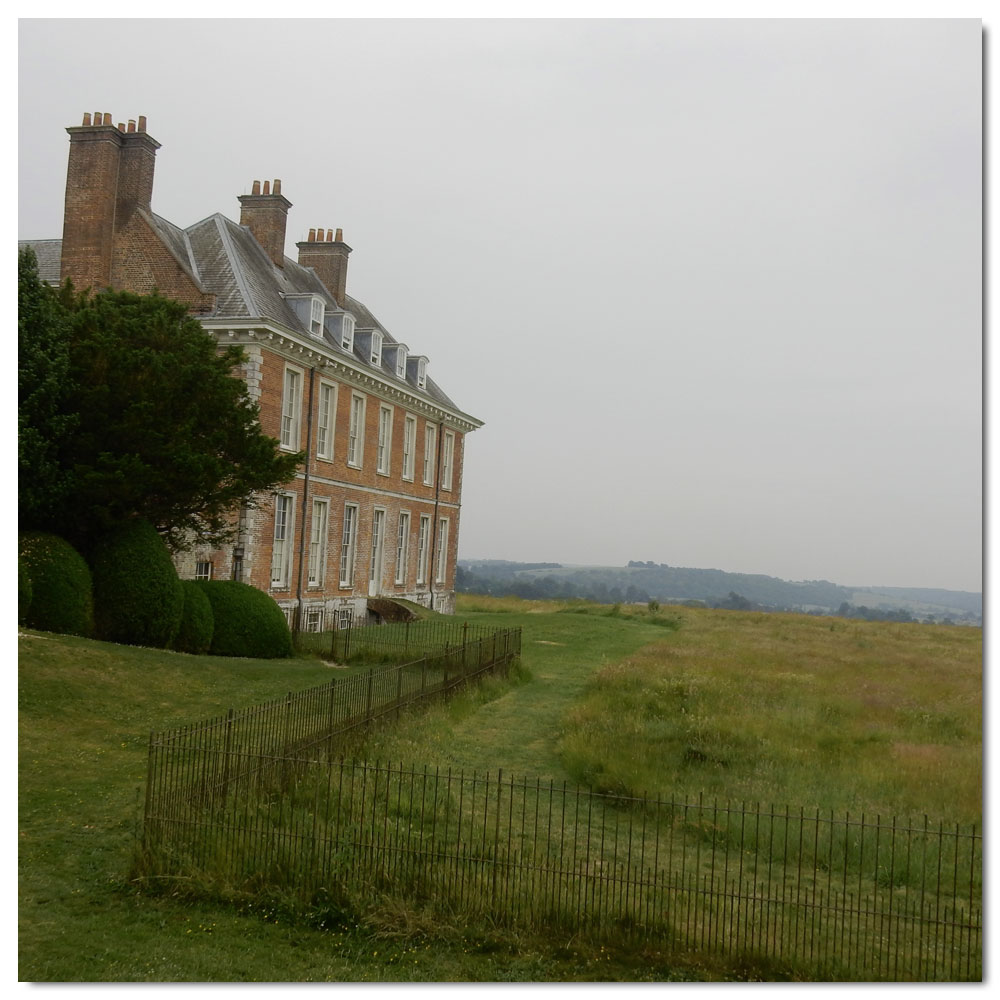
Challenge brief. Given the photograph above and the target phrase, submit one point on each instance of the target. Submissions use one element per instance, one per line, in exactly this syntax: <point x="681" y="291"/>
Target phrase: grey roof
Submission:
<point x="49" y="254"/>
<point x="225" y="259"/>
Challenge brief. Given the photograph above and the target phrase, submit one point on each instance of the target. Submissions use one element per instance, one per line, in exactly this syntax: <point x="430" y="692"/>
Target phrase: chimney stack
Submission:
<point x="266" y="215"/>
<point x="110" y="174"/>
<point x="327" y="255"/>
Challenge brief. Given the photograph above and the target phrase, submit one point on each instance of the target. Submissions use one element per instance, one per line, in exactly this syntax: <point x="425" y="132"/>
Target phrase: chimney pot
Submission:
<point x="267" y="187"/>
<point x="340" y="235"/>
<point x="256" y="188"/>
<point x="311" y="238"/>
<point x="131" y="124"/>
<point x="277" y="187"/>
<point x="86" y="118"/>
<point x="121" y="126"/>
<point x="142" y="123"/>
<point x="329" y="236"/>
<point x="107" y="118"/>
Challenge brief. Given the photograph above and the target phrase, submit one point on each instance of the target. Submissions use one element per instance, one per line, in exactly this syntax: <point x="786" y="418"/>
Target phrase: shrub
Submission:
<point x="247" y="621"/>
<point x="197" y="621"/>
<point x="23" y="591"/>
<point x="138" y="598"/>
<point x="59" y="584"/>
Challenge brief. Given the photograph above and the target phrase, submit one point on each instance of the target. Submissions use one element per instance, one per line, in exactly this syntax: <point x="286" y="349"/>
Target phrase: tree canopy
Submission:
<point x="128" y="408"/>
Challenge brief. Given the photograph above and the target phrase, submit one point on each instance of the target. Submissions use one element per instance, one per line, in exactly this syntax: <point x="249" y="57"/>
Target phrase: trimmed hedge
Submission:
<point x="138" y="598"/>
<point x="197" y="621"/>
<point x="23" y="591"/>
<point x="59" y="584"/>
<point x="247" y="621"/>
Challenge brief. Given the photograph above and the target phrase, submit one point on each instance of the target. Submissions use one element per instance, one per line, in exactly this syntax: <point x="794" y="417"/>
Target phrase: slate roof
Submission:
<point x="226" y="260"/>
<point x="49" y="254"/>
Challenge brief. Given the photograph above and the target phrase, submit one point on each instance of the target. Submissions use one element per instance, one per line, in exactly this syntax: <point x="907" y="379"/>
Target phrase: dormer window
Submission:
<point x="421" y="374"/>
<point x="347" y="333"/>
<point x="316" y="317"/>
<point x="376" y="352"/>
<point x="401" y="363"/>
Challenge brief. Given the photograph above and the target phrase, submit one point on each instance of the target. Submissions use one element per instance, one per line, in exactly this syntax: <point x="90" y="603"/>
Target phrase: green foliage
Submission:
<point x="138" y="598"/>
<point x="44" y="417"/>
<point x="102" y="379"/>
<point x="197" y="621"/>
<point x="59" y="584"/>
<point x="247" y="621"/>
<point x="23" y="591"/>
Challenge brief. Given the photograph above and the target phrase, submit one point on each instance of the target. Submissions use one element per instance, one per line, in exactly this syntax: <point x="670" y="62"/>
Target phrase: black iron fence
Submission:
<point x="260" y="800"/>
<point x="390" y="642"/>
<point x="832" y="897"/>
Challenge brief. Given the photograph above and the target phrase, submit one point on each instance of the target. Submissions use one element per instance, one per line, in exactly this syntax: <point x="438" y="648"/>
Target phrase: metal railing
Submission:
<point x="833" y="897"/>
<point x="395" y="641"/>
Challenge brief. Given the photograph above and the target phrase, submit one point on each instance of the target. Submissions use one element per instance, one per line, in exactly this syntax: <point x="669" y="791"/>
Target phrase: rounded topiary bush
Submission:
<point x="23" y="591"/>
<point x="197" y="620"/>
<point x="59" y="585"/>
<point x="247" y="621"/>
<point x="138" y="598"/>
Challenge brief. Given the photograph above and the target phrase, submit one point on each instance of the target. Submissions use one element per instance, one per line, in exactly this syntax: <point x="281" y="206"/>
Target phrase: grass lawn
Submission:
<point x="86" y="710"/>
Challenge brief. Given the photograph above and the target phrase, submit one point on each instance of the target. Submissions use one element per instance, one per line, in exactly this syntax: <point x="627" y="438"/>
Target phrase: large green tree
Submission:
<point x="130" y="409"/>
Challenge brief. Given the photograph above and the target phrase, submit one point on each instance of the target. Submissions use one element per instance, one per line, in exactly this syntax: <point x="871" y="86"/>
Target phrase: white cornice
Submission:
<point x="294" y="346"/>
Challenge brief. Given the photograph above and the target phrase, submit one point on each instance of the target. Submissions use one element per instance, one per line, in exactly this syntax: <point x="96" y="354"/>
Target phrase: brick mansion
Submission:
<point x="373" y="511"/>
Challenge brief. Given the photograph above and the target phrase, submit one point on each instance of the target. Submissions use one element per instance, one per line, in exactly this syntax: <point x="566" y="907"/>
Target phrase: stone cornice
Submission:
<point x="295" y="347"/>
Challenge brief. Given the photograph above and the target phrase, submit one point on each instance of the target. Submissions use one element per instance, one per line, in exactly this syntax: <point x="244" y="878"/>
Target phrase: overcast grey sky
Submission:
<point x="714" y="286"/>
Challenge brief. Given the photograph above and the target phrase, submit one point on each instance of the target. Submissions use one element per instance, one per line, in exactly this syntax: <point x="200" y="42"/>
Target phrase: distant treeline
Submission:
<point x="640" y="582"/>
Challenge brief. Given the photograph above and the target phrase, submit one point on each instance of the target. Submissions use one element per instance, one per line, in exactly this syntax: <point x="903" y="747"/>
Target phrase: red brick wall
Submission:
<point x="364" y="487"/>
<point x="141" y="263"/>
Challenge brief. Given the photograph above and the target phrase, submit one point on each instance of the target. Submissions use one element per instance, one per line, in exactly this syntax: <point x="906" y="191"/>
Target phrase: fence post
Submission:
<point x="444" y="683"/>
<point x="465" y="644"/>
<point x="399" y="688"/>
<point x="225" y="754"/>
<point x="347" y="641"/>
<point x="148" y="808"/>
<point x="329" y="725"/>
<point x="406" y="639"/>
<point x="368" y="707"/>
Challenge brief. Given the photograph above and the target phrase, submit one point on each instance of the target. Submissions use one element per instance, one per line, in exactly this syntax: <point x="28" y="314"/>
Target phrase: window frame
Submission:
<point x="448" y="460"/>
<point x="325" y="450"/>
<point x="409" y="447"/>
<point x="423" y="548"/>
<point x="383" y="447"/>
<point x="318" y="546"/>
<point x="441" y="556"/>
<point x="402" y="547"/>
<point x="317" y="316"/>
<point x="356" y="430"/>
<point x="349" y="546"/>
<point x="286" y="524"/>
<point x="291" y="409"/>
<point x="430" y="453"/>
<point x="198" y="574"/>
